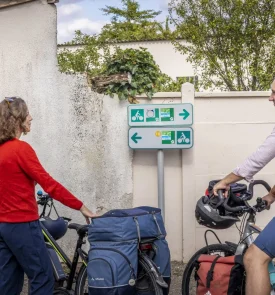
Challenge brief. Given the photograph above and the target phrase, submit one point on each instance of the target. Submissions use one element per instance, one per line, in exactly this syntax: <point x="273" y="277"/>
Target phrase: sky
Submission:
<point x="85" y="15"/>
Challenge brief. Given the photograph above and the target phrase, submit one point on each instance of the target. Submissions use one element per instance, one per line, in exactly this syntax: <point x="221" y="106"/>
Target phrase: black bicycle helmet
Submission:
<point x="211" y="213"/>
<point x="57" y="228"/>
<point x="211" y="217"/>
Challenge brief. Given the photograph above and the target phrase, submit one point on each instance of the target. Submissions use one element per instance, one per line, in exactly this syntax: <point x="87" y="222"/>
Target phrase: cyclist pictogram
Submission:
<point x="137" y="115"/>
<point x="183" y="137"/>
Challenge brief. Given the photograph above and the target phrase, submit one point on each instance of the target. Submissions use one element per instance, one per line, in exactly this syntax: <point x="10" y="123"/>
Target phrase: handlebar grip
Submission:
<point x="220" y="195"/>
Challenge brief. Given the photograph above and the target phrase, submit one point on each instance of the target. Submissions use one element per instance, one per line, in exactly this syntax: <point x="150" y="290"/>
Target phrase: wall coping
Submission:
<point x="202" y="95"/>
<point x="8" y="3"/>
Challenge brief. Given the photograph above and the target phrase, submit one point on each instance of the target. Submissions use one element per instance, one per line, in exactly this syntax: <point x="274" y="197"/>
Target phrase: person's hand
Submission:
<point x="270" y="198"/>
<point x="221" y="185"/>
<point x="87" y="213"/>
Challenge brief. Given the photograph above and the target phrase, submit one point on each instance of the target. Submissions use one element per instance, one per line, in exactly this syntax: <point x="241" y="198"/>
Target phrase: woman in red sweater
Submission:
<point x="22" y="247"/>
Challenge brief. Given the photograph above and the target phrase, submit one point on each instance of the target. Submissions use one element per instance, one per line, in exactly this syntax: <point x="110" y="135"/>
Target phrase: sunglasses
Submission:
<point x="10" y="99"/>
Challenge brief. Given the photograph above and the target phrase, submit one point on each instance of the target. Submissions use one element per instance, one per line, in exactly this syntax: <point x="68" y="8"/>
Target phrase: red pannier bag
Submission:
<point x="216" y="275"/>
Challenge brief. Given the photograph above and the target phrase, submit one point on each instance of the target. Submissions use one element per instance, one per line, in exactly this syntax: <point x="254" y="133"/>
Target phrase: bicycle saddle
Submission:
<point x="80" y="228"/>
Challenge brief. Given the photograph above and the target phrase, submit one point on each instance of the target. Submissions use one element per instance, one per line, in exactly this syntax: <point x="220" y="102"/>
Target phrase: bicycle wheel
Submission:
<point x="188" y="280"/>
<point x="81" y="287"/>
<point x="146" y="281"/>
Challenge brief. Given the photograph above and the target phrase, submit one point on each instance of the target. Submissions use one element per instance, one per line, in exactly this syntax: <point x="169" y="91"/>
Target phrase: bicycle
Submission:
<point x="73" y="281"/>
<point x="246" y="230"/>
<point x="68" y="281"/>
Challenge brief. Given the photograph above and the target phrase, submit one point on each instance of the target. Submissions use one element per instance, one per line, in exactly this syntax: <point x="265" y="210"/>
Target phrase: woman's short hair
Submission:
<point x="13" y="113"/>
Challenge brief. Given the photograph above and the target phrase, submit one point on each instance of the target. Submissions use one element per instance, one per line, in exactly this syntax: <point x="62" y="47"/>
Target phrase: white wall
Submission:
<point x="170" y="61"/>
<point x="77" y="134"/>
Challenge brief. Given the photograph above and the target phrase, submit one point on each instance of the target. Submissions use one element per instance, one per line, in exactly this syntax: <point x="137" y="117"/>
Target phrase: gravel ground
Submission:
<point x="177" y="270"/>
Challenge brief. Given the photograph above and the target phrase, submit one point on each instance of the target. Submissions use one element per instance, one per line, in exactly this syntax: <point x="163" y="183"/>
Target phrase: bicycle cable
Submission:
<point x="205" y="237"/>
<point x="246" y="238"/>
<point x="243" y="224"/>
<point x="238" y="229"/>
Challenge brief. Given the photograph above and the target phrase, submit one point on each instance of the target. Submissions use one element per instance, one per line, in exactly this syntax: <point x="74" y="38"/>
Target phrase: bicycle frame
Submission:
<point x="72" y="265"/>
<point x="247" y="238"/>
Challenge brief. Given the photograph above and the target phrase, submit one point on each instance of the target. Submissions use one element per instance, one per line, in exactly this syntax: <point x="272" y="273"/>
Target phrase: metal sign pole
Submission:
<point x="161" y="203"/>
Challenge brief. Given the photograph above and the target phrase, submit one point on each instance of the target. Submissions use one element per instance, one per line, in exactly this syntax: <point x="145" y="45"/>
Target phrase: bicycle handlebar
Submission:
<point x="43" y="198"/>
<point x="262" y="182"/>
<point x="260" y="206"/>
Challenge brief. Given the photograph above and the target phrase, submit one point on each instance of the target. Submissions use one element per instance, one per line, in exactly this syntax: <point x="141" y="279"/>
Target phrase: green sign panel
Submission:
<point x="161" y="138"/>
<point x="160" y="115"/>
<point x="152" y="115"/>
<point x="167" y="115"/>
<point x="137" y="115"/>
<point x="183" y="137"/>
<point x="168" y="137"/>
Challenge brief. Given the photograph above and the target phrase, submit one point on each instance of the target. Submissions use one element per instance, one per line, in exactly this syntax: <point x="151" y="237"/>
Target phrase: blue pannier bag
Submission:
<point x="112" y="268"/>
<point x="113" y="256"/>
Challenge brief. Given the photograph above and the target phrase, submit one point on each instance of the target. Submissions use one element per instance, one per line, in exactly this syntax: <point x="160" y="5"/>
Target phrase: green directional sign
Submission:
<point x="150" y="115"/>
<point x="161" y="138"/>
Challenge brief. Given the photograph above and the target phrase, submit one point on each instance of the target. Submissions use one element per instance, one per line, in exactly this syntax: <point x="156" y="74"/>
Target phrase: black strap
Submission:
<point x="209" y="276"/>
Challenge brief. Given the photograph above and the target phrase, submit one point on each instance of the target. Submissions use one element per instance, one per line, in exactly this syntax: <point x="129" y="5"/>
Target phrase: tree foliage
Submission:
<point x="89" y="58"/>
<point x="129" y="23"/>
<point x="230" y="42"/>
<point x="144" y="73"/>
<point x="167" y="84"/>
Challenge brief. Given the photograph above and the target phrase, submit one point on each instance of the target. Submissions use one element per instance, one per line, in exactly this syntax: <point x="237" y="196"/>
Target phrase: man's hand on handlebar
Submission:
<point x="224" y="184"/>
<point x="87" y="213"/>
<point x="221" y="185"/>
<point x="270" y="198"/>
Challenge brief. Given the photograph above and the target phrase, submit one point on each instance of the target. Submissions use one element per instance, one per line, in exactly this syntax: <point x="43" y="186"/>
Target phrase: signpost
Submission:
<point x="160" y="126"/>
<point x="160" y="115"/>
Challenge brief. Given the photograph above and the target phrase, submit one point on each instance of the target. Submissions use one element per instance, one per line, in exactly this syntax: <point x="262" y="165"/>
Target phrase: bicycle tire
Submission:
<point x="82" y="279"/>
<point x="147" y="269"/>
<point x="190" y="266"/>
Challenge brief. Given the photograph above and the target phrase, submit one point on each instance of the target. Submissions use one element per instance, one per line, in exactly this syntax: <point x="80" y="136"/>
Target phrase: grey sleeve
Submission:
<point x="261" y="157"/>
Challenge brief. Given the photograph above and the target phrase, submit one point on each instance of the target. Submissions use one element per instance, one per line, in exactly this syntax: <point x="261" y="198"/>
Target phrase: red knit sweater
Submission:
<point x="19" y="170"/>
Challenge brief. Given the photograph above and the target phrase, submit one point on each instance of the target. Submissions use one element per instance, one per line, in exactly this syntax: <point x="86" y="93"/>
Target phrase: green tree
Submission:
<point x="129" y="23"/>
<point x="230" y="42"/>
<point x="90" y="58"/>
<point x="167" y="84"/>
